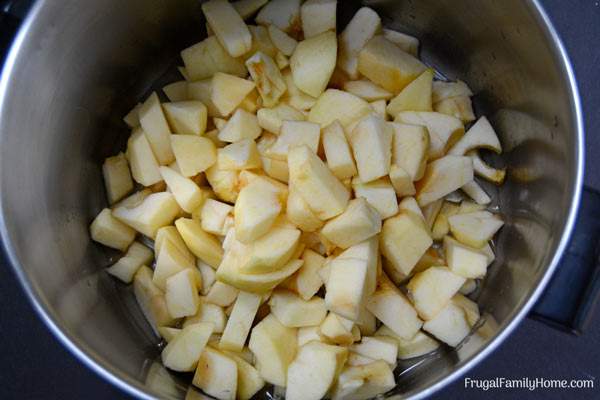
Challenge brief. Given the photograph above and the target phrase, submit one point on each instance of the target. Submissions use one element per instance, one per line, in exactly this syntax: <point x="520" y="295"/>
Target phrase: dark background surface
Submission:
<point x="36" y="366"/>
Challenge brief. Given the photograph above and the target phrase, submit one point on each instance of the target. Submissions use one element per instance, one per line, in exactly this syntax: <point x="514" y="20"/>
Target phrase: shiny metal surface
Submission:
<point x="77" y="66"/>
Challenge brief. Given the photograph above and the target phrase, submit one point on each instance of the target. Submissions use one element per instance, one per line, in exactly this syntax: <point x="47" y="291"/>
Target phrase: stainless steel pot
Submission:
<point x="77" y="66"/>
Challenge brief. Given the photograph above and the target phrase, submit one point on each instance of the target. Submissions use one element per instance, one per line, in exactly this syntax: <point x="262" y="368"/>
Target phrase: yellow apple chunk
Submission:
<point x="184" y="350"/>
<point x="203" y="245"/>
<point x="156" y="129"/>
<point x="357" y="223"/>
<point x="186" y="117"/>
<point x="361" y="28"/>
<point x="371" y="142"/>
<point x="144" y="167"/>
<point x="313" y="62"/>
<point x="117" y="178"/>
<point x="194" y="154"/>
<point x="126" y="267"/>
<point x="228" y="26"/>
<point x="154" y="212"/>
<point x="110" y="231"/>
<point x="416" y="96"/>
<point x="216" y="374"/>
<point x="442" y="177"/>
<point x="432" y="289"/>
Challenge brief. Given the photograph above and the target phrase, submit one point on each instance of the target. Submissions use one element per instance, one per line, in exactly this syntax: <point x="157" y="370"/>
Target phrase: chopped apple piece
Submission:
<point x="271" y="119"/>
<point x="336" y="104"/>
<point x="170" y="233"/>
<point x="169" y="262"/>
<point x="213" y="216"/>
<point x="313" y="62"/>
<point x="176" y="91"/>
<point x="364" y="381"/>
<point x="202" y="91"/>
<point x="194" y="154"/>
<point x="249" y="381"/>
<point x="117" y="179"/>
<point x="184" y="350"/>
<point x="208" y="276"/>
<point x="186" y="117"/>
<point x="295" y="97"/>
<point x="475" y="229"/>
<point x="380" y="194"/>
<point x="361" y="28"/>
<point x="410" y="149"/>
<point x="450" y="325"/>
<point x="392" y="308"/>
<point x="458" y="107"/>
<point x="308" y="334"/>
<point x="387" y="65"/>
<point x="126" y="267"/>
<point x="447" y="90"/>
<point x="271" y="251"/>
<point x="144" y="167"/>
<point x="216" y="375"/>
<point x="416" y="96"/>
<point x="401" y="181"/>
<point x="325" y="195"/>
<point x="357" y="223"/>
<point x="247" y="8"/>
<point x="242" y="125"/>
<point x="240" y="321"/>
<point x="274" y="347"/>
<point x="202" y="244"/>
<point x="307" y="282"/>
<point x="355" y="359"/>
<point x="156" y="129"/>
<point x="268" y="78"/>
<point x="338" y="152"/>
<point x="379" y="109"/>
<point x="404" y="239"/>
<point x="222" y="294"/>
<point x="443" y="176"/>
<point x="470" y="308"/>
<point x="246" y="177"/>
<point x="432" y="289"/>
<point x="314" y="371"/>
<point x="208" y="57"/>
<point x="480" y="135"/>
<point x="239" y="155"/>
<point x="256" y="209"/>
<point x="154" y="212"/>
<point x="336" y="329"/>
<point x="410" y="204"/>
<point x="377" y="348"/>
<point x="284" y="14"/>
<point x="485" y="171"/>
<point x="444" y="130"/>
<point x="182" y="294"/>
<point x="284" y="43"/>
<point x="132" y="119"/>
<point x="367" y="90"/>
<point x="406" y="42"/>
<point x="261" y="41"/>
<point x="187" y="194"/>
<point x="318" y="16"/>
<point x="208" y="312"/>
<point x="150" y="299"/>
<point x="468" y="287"/>
<point x="111" y="232"/>
<point x="345" y="288"/>
<point x="293" y="134"/>
<point x="294" y="312"/>
<point x="366" y="251"/>
<point x="224" y="183"/>
<point x="228" y="91"/>
<point x="168" y="333"/>
<point x="228" y="26"/>
<point x="371" y="142"/>
<point x="476" y="192"/>
<point x="300" y="214"/>
<point x="440" y="226"/>
<point x="418" y="345"/>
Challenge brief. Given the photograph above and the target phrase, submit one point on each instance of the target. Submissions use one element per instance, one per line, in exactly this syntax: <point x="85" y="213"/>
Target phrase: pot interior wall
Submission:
<point x="83" y="64"/>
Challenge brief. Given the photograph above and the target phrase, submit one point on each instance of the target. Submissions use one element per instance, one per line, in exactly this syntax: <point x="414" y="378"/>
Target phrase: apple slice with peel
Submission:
<point x="117" y="178"/>
<point x="318" y="16"/>
<point x="432" y="289"/>
<point x="125" y="268"/>
<point x="486" y="171"/>
<point x="216" y="374"/>
<point x="228" y="26"/>
<point x="314" y="371"/>
<point x="143" y="164"/>
<point x="182" y="294"/>
<point x="357" y="223"/>
<point x="269" y="81"/>
<point x="404" y="240"/>
<point x="313" y="62"/>
<point x="371" y="142"/>
<point x="385" y="64"/>
<point x="450" y="325"/>
<point x="154" y="212"/>
<point x="416" y="96"/>
<point x="202" y="244"/>
<point x="184" y="350"/>
<point x="480" y="135"/>
<point x="156" y="129"/>
<point x="294" y="312"/>
<point x="240" y="321"/>
<point x="361" y="28"/>
<point x="338" y="105"/>
<point x="338" y="152"/>
<point x="110" y="231"/>
<point x="367" y="90"/>
<point x="475" y="229"/>
<point x="274" y="348"/>
<point x="364" y="381"/>
<point x="377" y="348"/>
<point x="256" y="209"/>
<point x="418" y="345"/>
<point x="150" y="299"/>
<point x="392" y="308"/>
<point x="443" y="176"/>
<point x="410" y="147"/>
<point x="406" y="42"/>
<point x="322" y="191"/>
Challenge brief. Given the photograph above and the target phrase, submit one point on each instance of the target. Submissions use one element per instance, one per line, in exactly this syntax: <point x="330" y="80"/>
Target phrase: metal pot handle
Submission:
<point x="571" y="295"/>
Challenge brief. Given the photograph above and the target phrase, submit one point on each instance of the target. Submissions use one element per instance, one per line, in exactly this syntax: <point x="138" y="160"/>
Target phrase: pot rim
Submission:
<point x="97" y="363"/>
